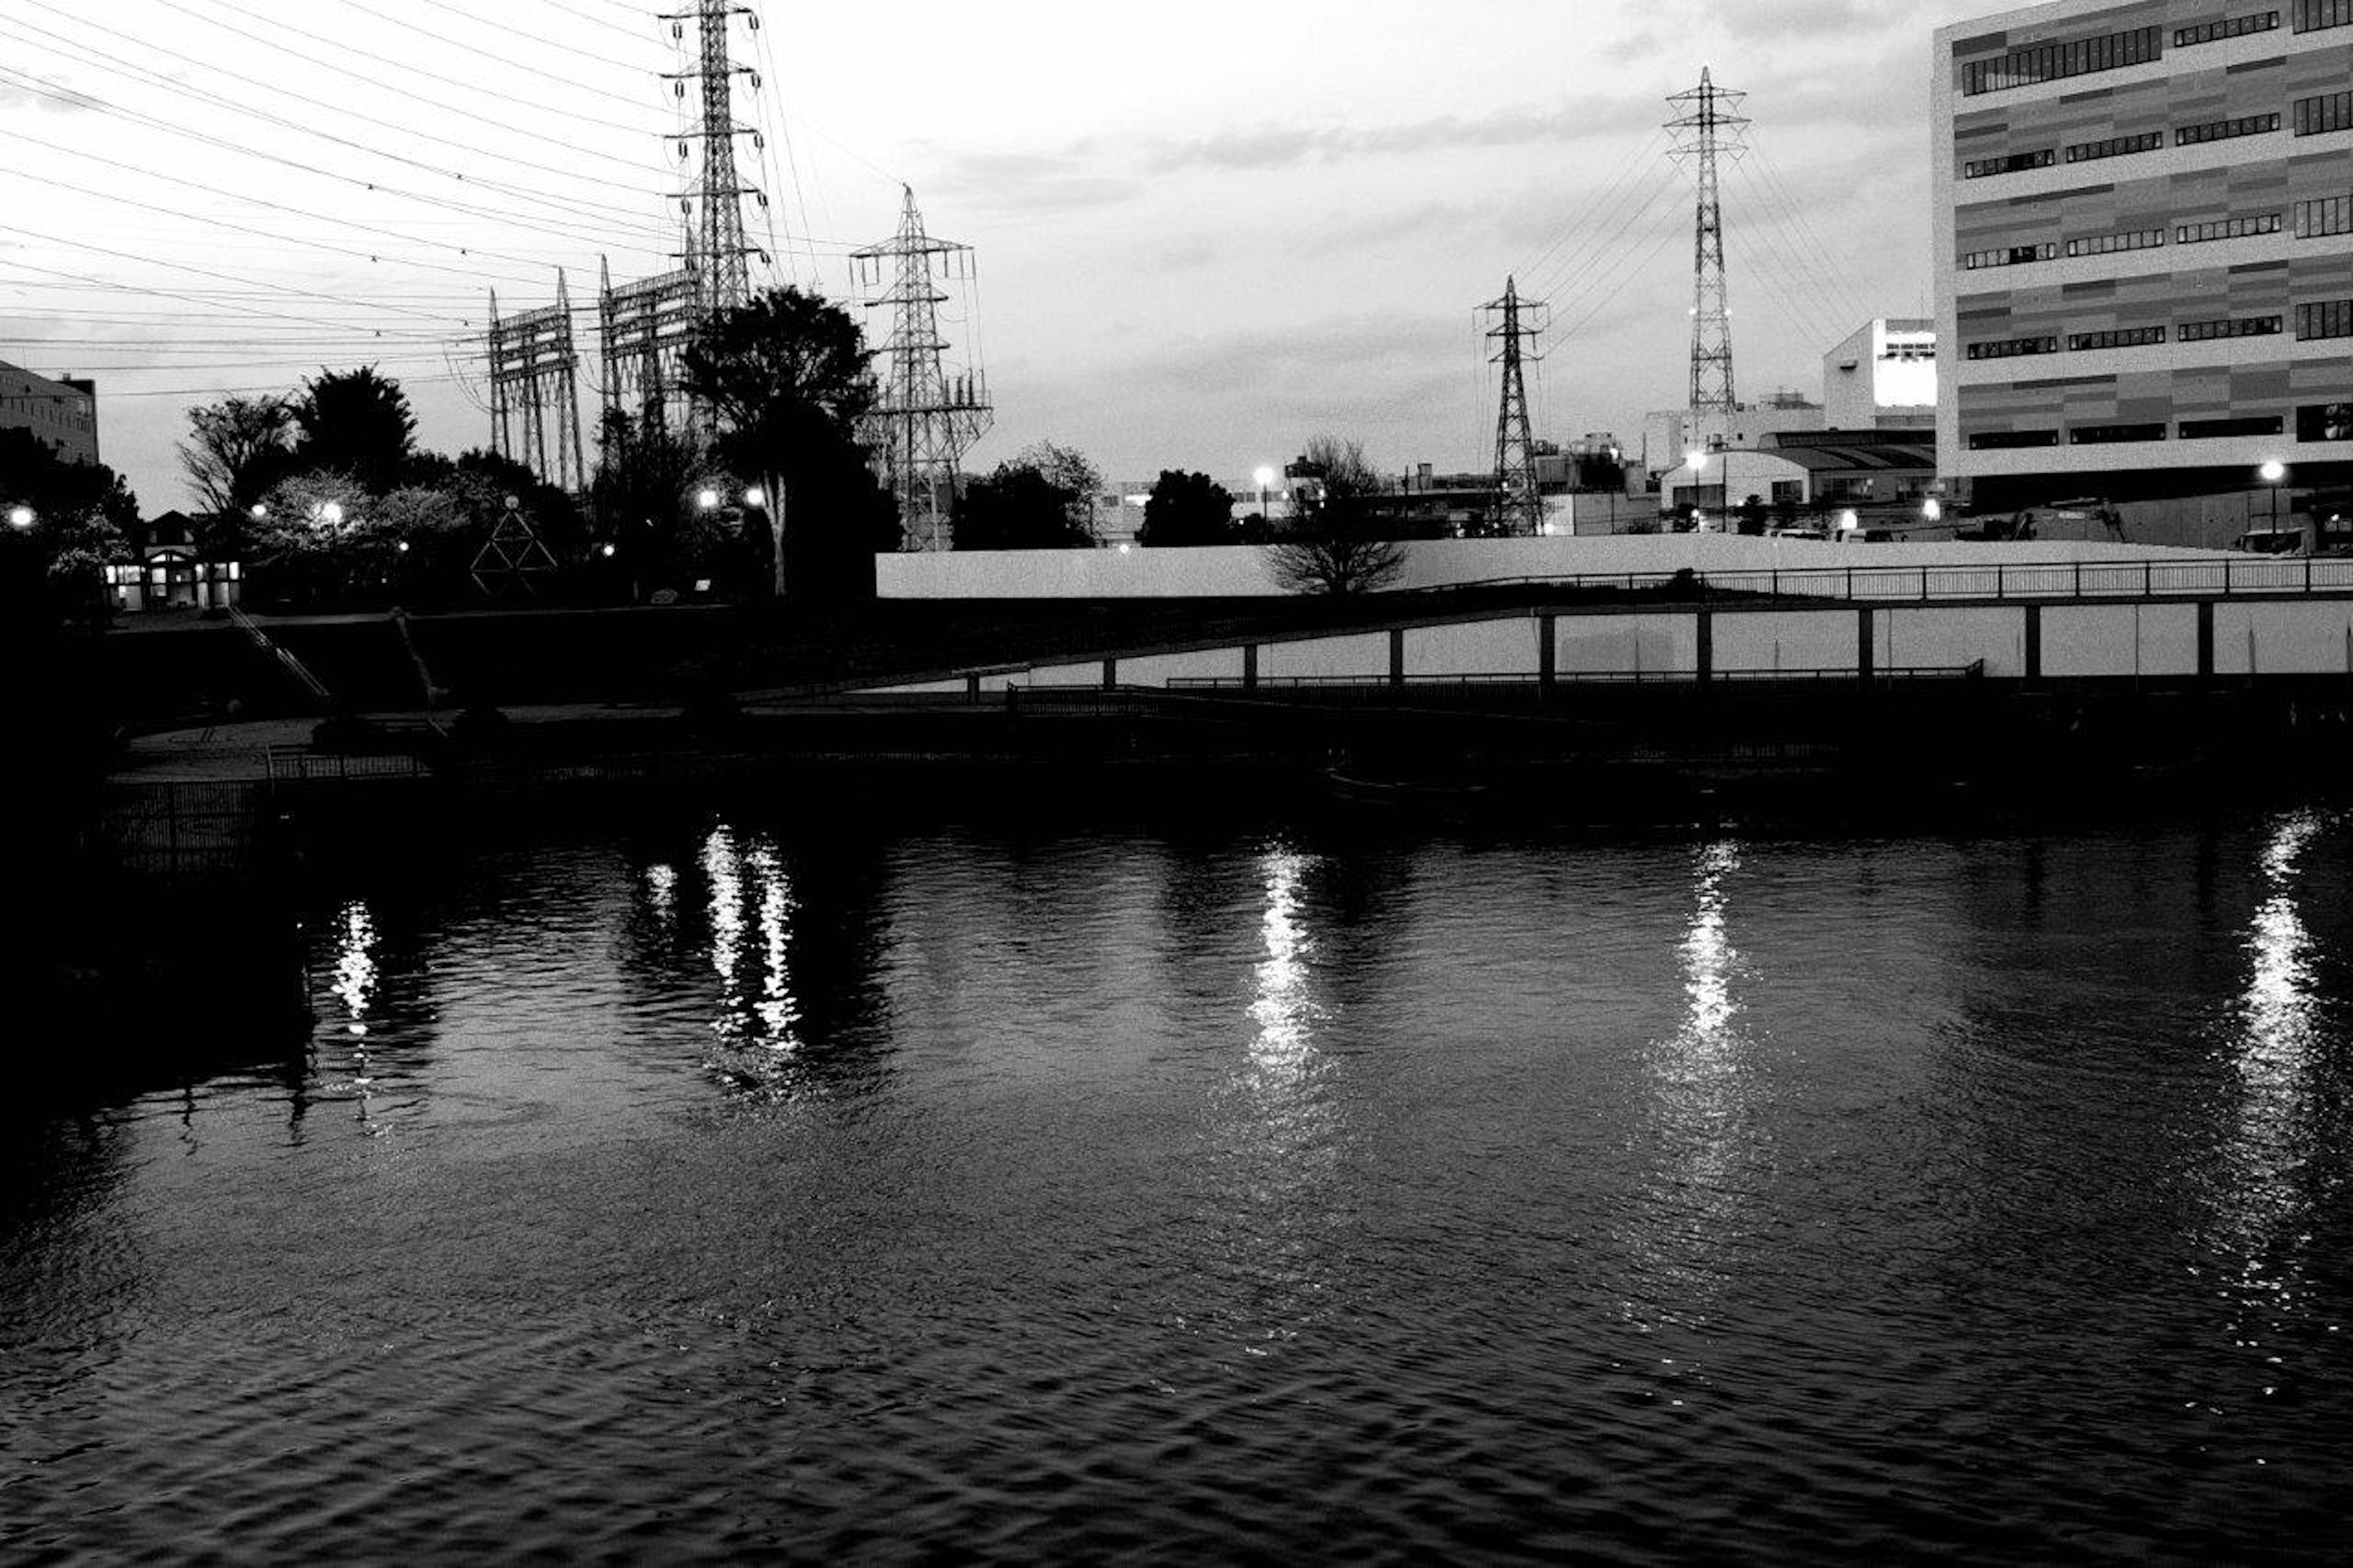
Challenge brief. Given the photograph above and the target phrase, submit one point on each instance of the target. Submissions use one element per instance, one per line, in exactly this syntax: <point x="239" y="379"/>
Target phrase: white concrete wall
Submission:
<point x="1782" y="640"/>
<point x="1627" y="645"/>
<point x="1946" y="638"/>
<point x="1480" y="647"/>
<point x="1213" y="664"/>
<point x="1241" y="571"/>
<point x="2283" y="638"/>
<point x="1365" y="656"/>
<point x="2120" y="640"/>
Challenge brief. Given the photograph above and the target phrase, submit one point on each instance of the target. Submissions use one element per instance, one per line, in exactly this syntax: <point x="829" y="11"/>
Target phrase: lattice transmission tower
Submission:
<point x="1709" y="126"/>
<point x="534" y="382"/>
<point x="718" y="253"/>
<point x="1519" y="506"/>
<point x="926" y="417"/>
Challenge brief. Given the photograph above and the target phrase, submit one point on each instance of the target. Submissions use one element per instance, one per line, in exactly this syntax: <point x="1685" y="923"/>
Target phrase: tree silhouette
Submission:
<point x="357" y="423"/>
<point x="1337" y="544"/>
<point x="1186" y="509"/>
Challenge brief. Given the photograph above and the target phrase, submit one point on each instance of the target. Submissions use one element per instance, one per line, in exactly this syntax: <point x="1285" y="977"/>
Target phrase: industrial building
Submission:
<point x="62" y="411"/>
<point x="2144" y="250"/>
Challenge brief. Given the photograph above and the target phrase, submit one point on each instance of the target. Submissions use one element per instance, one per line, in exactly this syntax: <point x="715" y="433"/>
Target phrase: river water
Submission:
<point x="719" y="1184"/>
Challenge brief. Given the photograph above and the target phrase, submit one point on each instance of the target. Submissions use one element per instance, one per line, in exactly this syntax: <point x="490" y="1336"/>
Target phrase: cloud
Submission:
<point x="1274" y="147"/>
<point x="1041" y="185"/>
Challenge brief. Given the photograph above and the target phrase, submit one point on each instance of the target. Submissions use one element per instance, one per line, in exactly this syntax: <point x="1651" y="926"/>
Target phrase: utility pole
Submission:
<point x="1519" y="508"/>
<point x="1709" y="126"/>
<point x="719" y="254"/>
<point x="925" y="417"/>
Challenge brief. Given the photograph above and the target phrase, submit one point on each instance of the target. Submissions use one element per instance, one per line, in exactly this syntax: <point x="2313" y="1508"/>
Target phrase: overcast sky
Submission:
<point x="1204" y="232"/>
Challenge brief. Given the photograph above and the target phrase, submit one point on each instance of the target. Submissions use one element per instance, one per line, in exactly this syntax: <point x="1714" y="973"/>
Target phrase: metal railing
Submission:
<point x="2170" y="578"/>
<point x="1972" y="670"/>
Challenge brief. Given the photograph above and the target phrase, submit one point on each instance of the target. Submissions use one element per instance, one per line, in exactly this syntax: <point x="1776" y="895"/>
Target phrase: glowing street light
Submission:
<point x="20" y="516"/>
<point x="707" y="498"/>
<point x="755" y="496"/>
<point x="256" y="511"/>
<point x="1265" y="478"/>
<point x="609" y="551"/>
<point x="331" y="514"/>
<point x="1932" y="510"/>
<point x="2271" y="473"/>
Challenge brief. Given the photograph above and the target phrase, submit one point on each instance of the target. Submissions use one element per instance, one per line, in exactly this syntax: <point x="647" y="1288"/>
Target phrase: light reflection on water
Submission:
<point x="1232" y="1196"/>
<point x="2270" y="1186"/>
<point x="1700" y="1081"/>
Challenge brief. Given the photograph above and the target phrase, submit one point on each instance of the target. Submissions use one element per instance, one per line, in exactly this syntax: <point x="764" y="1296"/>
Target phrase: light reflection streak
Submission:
<point x="2273" y="1051"/>
<point x="1700" y="1110"/>
<point x="662" y="891"/>
<point x="1277" y="1152"/>
<point x="356" y="977"/>
<point x="1285" y="1012"/>
<point x="757" y="1030"/>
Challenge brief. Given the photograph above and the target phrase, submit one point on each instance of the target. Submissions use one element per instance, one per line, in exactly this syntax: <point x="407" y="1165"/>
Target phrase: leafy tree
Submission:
<point x="80" y="517"/>
<point x="1019" y="507"/>
<point x="1337" y="544"/>
<point x="356" y="423"/>
<point x="641" y="502"/>
<point x="316" y="543"/>
<point x="786" y="375"/>
<point x="1186" y="509"/>
<point x="236" y="449"/>
<point x="1067" y="471"/>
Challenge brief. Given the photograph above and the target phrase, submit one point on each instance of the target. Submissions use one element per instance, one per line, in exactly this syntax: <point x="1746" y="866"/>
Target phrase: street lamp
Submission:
<point x="1932" y="510"/>
<point x="2271" y="473"/>
<point x="707" y="498"/>
<point x="755" y="496"/>
<point x="1265" y="478"/>
<point x="20" y="516"/>
<point x="256" y="511"/>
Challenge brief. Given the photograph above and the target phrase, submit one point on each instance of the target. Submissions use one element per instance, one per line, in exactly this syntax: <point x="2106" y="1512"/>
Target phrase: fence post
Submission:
<point x="1997" y="583"/>
<point x="2147" y="580"/>
<point x="2079" y="579"/>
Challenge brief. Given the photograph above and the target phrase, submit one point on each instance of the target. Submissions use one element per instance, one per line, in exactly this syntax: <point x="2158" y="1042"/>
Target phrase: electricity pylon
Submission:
<point x="1709" y="126"/>
<point x="719" y="255"/>
<point x="1519" y="506"/>
<point x="924" y="416"/>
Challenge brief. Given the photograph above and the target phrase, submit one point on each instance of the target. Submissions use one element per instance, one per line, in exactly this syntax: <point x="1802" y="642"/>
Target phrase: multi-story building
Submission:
<point x="1883" y="377"/>
<point x="62" y="412"/>
<point x="2144" y="233"/>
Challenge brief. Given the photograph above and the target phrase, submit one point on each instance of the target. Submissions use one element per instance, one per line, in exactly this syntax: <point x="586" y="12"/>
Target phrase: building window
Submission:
<point x="2115" y="147"/>
<point x="2235" y="27"/>
<point x="2108" y="244"/>
<point x="2324" y="422"/>
<point x="2244" y="327"/>
<point x="2215" y="429"/>
<point x="2329" y="111"/>
<point x="1998" y="440"/>
<point x="2016" y="163"/>
<point x="2226" y="228"/>
<point x="2110" y="435"/>
<point x="2324" y="318"/>
<point x="2327" y="214"/>
<point x="2120" y="338"/>
<point x="2008" y="255"/>
<point x="2010" y="348"/>
<point x="2311" y="16"/>
<point x="2223" y="129"/>
<point x="2054" y="62"/>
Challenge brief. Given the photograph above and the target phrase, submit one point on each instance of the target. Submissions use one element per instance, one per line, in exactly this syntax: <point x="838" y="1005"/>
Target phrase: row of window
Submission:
<point x="2324" y="215"/>
<point x="2115" y="147"/>
<point x="2329" y="111"/>
<point x="2314" y="219"/>
<point x="2233" y="27"/>
<point x="2226" y="130"/>
<point x="2123" y="239"/>
<point x="2313" y="422"/>
<point x="2226" y="228"/>
<point x="2138" y="45"/>
<point x="2244" y="327"/>
<point x="2312" y="117"/>
<point x="2324" y="318"/>
<point x="2054" y="62"/>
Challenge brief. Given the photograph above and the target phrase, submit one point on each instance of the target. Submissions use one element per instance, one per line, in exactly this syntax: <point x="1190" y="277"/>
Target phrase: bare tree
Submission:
<point x="1334" y="543"/>
<point x="236" y="449"/>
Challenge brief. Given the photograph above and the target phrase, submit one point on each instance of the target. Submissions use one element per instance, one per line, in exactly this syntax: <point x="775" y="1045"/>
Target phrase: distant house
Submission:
<point x="169" y="572"/>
